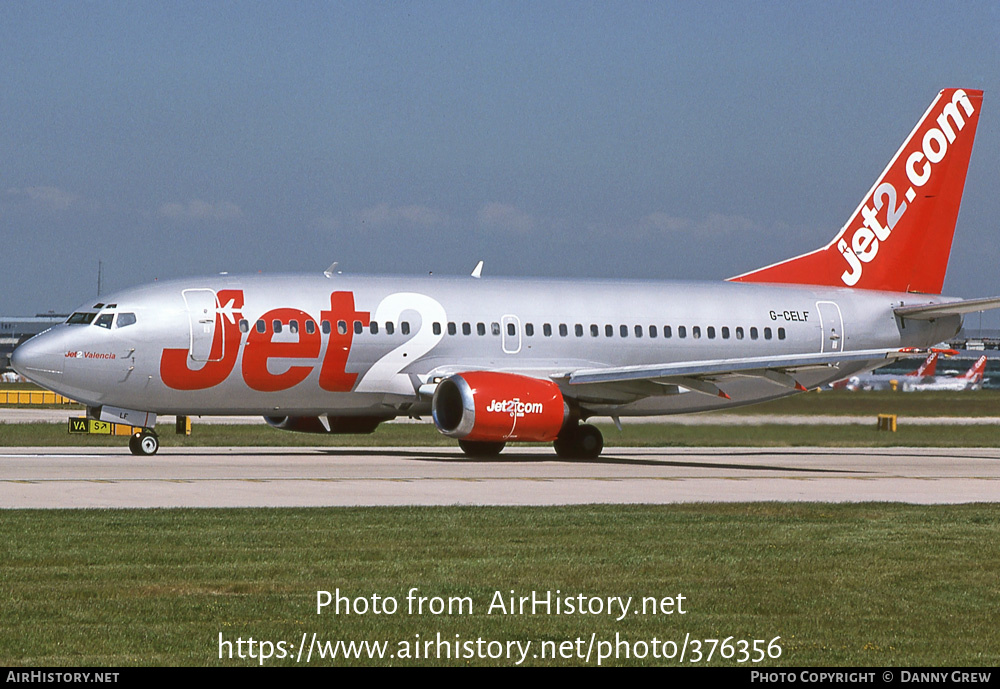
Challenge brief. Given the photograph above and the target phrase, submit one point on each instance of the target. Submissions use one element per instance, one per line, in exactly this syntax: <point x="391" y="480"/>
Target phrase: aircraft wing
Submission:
<point x="928" y="312"/>
<point x="702" y="376"/>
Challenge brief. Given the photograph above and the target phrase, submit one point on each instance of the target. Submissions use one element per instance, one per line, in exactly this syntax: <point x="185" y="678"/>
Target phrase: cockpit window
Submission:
<point x="99" y="306"/>
<point x="125" y="319"/>
<point x="104" y="320"/>
<point x="81" y="318"/>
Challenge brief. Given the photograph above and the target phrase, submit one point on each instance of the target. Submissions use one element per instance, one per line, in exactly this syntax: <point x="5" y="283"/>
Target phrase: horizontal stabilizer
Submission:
<point x="928" y="312"/>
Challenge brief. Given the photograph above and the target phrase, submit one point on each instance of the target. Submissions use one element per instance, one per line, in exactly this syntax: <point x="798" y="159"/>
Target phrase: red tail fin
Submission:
<point x="899" y="238"/>
<point x="976" y="372"/>
<point x="928" y="368"/>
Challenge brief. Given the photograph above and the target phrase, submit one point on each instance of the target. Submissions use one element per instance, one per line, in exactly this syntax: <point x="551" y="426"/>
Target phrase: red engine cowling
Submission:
<point x="314" y="424"/>
<point x="493" y="407"/>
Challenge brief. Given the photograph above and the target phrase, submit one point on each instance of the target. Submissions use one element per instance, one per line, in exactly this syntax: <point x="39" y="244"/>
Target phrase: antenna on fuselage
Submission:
<point x="477" y="272"/>
<point x="329" y="272"/>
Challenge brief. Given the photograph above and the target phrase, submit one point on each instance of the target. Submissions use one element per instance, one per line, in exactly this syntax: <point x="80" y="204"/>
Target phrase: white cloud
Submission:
<point x="505" y="217"/>
<point x="663" y="223"/>
<point x="714" y="225"/>
<point x="201" y="210"/>
<point x="385" y="215"/>
<point x="49" y="197"/>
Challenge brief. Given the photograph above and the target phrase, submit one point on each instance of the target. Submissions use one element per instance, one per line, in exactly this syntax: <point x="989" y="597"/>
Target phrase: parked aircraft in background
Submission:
<point x="885" y="381"/>
<point x="499" y="360"/>
<point x="970" y="380"/>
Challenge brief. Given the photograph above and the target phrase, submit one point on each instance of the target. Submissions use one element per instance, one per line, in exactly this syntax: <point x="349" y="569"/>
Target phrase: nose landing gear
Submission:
<point x="144" y="443"/>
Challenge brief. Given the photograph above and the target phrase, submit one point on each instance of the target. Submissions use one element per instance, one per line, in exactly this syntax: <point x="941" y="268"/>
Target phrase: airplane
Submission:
<point x="970" y="380"/>
<point x="498" y="360"/>
<point x="883" y="381"/>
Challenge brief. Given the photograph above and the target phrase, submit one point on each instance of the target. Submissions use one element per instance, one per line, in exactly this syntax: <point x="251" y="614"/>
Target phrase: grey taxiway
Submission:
<point x="283" y="477"/>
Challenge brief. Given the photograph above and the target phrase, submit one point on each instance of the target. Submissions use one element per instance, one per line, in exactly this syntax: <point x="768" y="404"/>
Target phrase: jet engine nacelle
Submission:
<point x="325" y="424"/>
<point x="482" y="406"/>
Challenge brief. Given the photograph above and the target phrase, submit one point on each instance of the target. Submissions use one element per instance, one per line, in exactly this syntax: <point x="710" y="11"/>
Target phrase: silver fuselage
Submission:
<point x="340" y="365"/>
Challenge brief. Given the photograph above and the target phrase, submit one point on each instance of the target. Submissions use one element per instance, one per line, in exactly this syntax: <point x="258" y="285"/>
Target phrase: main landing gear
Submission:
<point x="144" y="442"/>
<point x="579" y="442"/>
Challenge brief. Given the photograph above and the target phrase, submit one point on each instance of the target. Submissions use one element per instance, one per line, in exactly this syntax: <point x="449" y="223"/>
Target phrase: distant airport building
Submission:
<point x="14" y="331"/>
<point x="976" y="340"/>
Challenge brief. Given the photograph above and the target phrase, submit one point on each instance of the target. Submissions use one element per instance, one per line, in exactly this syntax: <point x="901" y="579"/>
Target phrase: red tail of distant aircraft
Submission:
<point x="928" y="368"/>
<point x="970" y="380"/>
<point x="885" y="381"/>
<point x="975" y="374"/>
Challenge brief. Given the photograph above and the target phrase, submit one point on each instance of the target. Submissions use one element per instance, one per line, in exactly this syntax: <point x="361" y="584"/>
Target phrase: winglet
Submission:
<point x="946" y="352"/>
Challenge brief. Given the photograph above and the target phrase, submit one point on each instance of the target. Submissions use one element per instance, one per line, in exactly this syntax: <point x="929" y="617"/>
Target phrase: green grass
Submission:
<point x="779" y="435"/>
<point x="843" y="585"/>
<point x="635" y="435"/>
<point x="836" y="402"/>
<point x="20" y="387"/>
<point x="847" y="403"/>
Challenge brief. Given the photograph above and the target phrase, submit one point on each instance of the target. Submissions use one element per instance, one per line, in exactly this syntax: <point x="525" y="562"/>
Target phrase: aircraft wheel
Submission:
<point x="144" y="443"/>
<point x="590" y="441"/>
<point x="565" y="445"/>
<point x="480" y="449"/>
<point x="582" y="442"/>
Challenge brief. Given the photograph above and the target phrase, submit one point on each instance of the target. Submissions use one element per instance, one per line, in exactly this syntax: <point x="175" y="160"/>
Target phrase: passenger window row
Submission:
<point x="652" y="331"/>
<point x="623" y="331"/>
<point x="326" y="327"/>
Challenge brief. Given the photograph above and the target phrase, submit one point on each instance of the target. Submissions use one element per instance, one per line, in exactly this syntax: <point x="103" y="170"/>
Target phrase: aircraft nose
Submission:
<point x="39" y="359"/>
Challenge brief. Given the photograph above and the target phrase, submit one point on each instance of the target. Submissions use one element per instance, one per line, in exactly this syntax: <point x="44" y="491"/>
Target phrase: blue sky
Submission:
<point x="632" y="139"/>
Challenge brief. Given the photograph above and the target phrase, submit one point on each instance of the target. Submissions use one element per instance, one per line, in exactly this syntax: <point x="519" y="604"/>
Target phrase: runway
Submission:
<point x="281" y="477"/>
